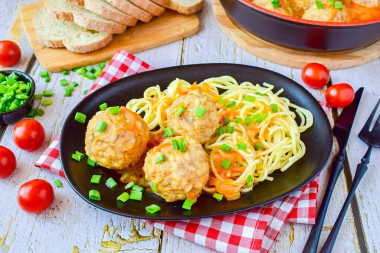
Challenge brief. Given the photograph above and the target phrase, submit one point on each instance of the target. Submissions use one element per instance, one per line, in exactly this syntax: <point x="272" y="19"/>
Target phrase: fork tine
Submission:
<point x="369" y="121"/>
<point x="377" y="124"/>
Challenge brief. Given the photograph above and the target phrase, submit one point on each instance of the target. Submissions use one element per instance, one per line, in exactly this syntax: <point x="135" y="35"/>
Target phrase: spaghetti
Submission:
<point x="258" y="133"/>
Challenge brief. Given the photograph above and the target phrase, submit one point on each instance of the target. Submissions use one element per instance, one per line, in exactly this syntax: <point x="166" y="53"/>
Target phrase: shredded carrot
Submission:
<point x="134" y="118"/>
<point x="193" y="195"/>
<point x="233" y="157"/>
<point x="226" y="187"/>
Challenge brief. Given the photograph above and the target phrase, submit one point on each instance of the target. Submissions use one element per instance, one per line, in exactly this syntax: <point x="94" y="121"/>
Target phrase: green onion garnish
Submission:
<point x="182" y="145"/>
<point x="180" y="111"/>
<point x="101" y="126"/>
<point x="319" y="4"/>
<point x="114" y="110"/>
<point x="47" y="79"/>
<point x="137" y="188"/>
<point x="331" y="2"/>
<point x="188" y="203"/>
<point x="259" y="93"/>
<point x="263" y="117"/>
<point x="274" y="107"/>
<point x="153" y="208"/>
<point x="220" y="99"/>
<point x="249" y="181"/>
<point x="239" y="164"/>
<point x="90" y="69"/>
<point x="129" y="185"/>
<point x="175" y="144"/>
<point x="91" y="77"/>
<point x="225" y="164"/>
<point x="111" y="183"/>
<point x="64" y="82"/>
<point x="79" y="154"/>
<point x="91" y="162"/>
<point x="80" y="117"/>
<point x="37" y="96"/>
<point x="238" y="120"/>
<point x="44" y="74"/>
<point x="85" y="92"/>
<point x="58" y="183"/>
<point x="200" y="111"/>
<point x="47" y="93"/>
<point x="40" y="112"/>
<point x="338" y="5"/>
<point x="46" y="102"/>
<point x="103" y="106"/>
<point x="65" y="72"/>
<point x="69" y="89"/>
<point x="230" y="129"/>
<point x="94" y="195"/>
<point x="241" y="146"/>
<point x="258" y="145"/>
<point x="67" y="94"/>
<point x="247" y="120"/>
<point x="218" y="196"/>
<point x="220" y="130"/>
<point x="208" y="151"/>
<point x="160" y="159"/>
<point x="231" y="104"/>
<point x="75" y="157"/>
<point x="95" y="179"/>
<point x="136" y="195"/>
<point x="226" y="121"/>
<point x="168" y="132"/>
<point x="74" y="84"/>
<point x="123" y="197"/>
<point x="154" y="187"/>
<point x="249" y="99"/>
<point x="225" y="148"/>
<point x="32" y="113"/>
<point x="256" y="117"/>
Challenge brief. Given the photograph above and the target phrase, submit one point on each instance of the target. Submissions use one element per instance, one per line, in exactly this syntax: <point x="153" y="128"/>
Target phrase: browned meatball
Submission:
<point x="123" y="141"/>
<point x="188" y="124"/>
<point x="180" y="173"/>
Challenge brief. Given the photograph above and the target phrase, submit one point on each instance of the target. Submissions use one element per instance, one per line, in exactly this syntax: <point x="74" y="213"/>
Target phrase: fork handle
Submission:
<point x="360" y="171"/>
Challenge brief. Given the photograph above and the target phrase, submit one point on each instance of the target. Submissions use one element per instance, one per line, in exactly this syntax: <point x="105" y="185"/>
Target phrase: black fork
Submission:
<point x="372" y="139"/>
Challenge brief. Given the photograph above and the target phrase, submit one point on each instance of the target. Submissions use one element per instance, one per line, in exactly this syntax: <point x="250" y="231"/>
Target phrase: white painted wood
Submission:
<point x="71" y="224"/>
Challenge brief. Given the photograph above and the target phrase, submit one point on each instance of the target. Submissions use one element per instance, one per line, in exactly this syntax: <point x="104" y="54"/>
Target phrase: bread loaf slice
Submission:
<point x="186" y="6"/>
<point x="65" y="11"/>
<point x="131" y="9"/>
<point x="104" y="9"/>
<point x="76" y="2"/>
<point x="54" y="33"/>
<point x="163" y="3"/>
<point x="149" y="6"/>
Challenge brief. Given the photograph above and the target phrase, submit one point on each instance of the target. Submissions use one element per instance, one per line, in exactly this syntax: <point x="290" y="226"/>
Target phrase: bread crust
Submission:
<point x="131" y="9"/>
<point x="149" y="6"/>
<point x="187" y="10"/>
<point x="113" y="15"/>
<point x="98" y="25"/>
<point x="89" y="47"/>
<point x="76" y="2"/>
<point x="61" y="15"/>
<point x="163" y="3"/>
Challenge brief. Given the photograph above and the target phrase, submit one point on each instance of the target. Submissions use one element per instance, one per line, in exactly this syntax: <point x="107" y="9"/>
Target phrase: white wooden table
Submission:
<point x="73" y="225"/>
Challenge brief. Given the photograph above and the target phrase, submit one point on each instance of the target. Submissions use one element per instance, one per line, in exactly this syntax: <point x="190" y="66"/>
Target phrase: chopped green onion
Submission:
<point x="32" y="113"/>
<point x="259" y="93"/>
<point x="263" y="117"/>
<point x="91" y="77"/>
<point x="258" y="145"/>
<point x="69" y="89"/>
<point x="226" y="121"/>
<point x="241" y="146"/>
<point x="230" y="129"/>
<point x="123" y="197"/>
<point x="239" y="164"/>
<point x="220" y="99"/>
<point x="168" y="132"/>
<point x="75" y="157"/>
<point x="220" y="130"/>
<point x="67" y="94"/>
<point x="274" y="107"/>
<point x="47" y="93"/>
<point x="111" y="183"/>
<point x="238" y="120"/>
<point x="64" y="82"/>
<point x="180" y="111"/>
<point x="225" y="148"/>
<point x="85" y="92"/>
<point x="208" y="151"/>
<point x="80" y="155"/>
<point x="225" y="164"/>
<point x="101" y="126"/>
<point x="249" y="181"/>
<point x="37" y="96"/>
<point x="319" y="4"/>
<point x="137" y="188"/>
<point x="256" y="117"/>
<point x="154" y="187"/>
<point x="114" y="110"/>
<point x="247" y="120"/>
<point x="90" y="69"/>
<point x="44" y="74"/>
<point x="188" y="203"/>
<point x="74" y="84"/>
<point x="338" y="5"/>
<point x="94" y="195"/>
<point x="129" y="185"/>
<point x="153" y="208"/>
<point x="95" y="179"/>
<point x="46" y="102"/>
<point x="47" y="79"/>
<point x="80" y="117"/>
<point x="65" y="72"/>
<point x="231" y="104"/>
<point x="331" y="2"/>
<point x="249" y="99"/>
<point x="40" y="112"/>
<point x="103" y="106"/>
<point x="275" y="3"/>
<point x="218" y="196"/>
<point x="160" y="159"/>
<point x="91" y="162"/>
<point x="101" y="65"/>
<point x="200" y="111"/>
<point x="58" y="183"/>
<point x="182" y="145"/>
<point x="175" y="144"/>
<point x="136" y="195"/>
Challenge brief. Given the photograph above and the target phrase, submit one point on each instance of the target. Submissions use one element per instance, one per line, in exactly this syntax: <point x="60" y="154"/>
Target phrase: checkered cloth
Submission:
<point x="254" y="230"/>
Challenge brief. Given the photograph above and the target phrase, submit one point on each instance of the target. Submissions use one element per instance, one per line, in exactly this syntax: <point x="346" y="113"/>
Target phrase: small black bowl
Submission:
<point x="10" y="117"/>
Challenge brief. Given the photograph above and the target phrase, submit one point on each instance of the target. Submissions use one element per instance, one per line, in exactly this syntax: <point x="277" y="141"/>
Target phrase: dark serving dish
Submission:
<point x="299" y="33"/>
<point x="11" y="117"/>
<point x="121" y="91"/>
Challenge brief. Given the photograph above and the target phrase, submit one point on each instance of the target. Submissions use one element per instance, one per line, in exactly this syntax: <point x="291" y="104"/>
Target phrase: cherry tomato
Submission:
<point x="29" y="134"/>
<point x="35" y="196"/>
<point x="315" y="75"/>
<point x="340" y="95"/>
<point x="7" y="162"/>
<point x="10" y="53"/>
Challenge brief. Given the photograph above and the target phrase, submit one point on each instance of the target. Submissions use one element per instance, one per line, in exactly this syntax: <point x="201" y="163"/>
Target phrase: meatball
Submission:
<point x="267" y="4"/>
<point x="188" y="123"/>
<point x="123" y="141"/>
<point x="328" y="14"/>
<point x="179" y="175"/>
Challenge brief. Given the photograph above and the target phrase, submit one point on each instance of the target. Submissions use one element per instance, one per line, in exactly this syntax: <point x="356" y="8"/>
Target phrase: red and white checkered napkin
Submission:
<point x="254" y="230"/>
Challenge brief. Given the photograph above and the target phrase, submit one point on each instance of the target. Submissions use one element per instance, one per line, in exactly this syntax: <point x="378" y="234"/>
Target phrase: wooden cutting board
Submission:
<point x="287" y="56"/>
<point x="161" y="30"/>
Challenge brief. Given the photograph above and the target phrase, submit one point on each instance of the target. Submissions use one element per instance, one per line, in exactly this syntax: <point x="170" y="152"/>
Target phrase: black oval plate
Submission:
<point x="318" y="140"/>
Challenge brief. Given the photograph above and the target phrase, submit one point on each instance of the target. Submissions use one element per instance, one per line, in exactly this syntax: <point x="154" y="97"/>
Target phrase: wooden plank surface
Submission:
<point x="72" y="225"/>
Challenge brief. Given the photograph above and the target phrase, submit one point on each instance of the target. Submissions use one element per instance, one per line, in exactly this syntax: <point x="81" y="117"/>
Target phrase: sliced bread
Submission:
<point x="149" y="6"/>
<point x="163" y="3"/>
<point x="104" y="9"/>
<point x="54" y="33"/>
<point x="186" y="6"/>
<point x="131" y="9"/>
<point x="65" y="11"/>
<point x="76" y="2"/>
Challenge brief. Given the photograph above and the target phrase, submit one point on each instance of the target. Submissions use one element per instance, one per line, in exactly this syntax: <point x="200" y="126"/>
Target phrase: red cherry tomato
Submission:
<point x="340" y="95"/>
<point x="35" y="196"/>
<point x="315" y="75"/>
<point x="29" y="134"/>
<point x="10" y="53"/>
<point x="7" y="162"/>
